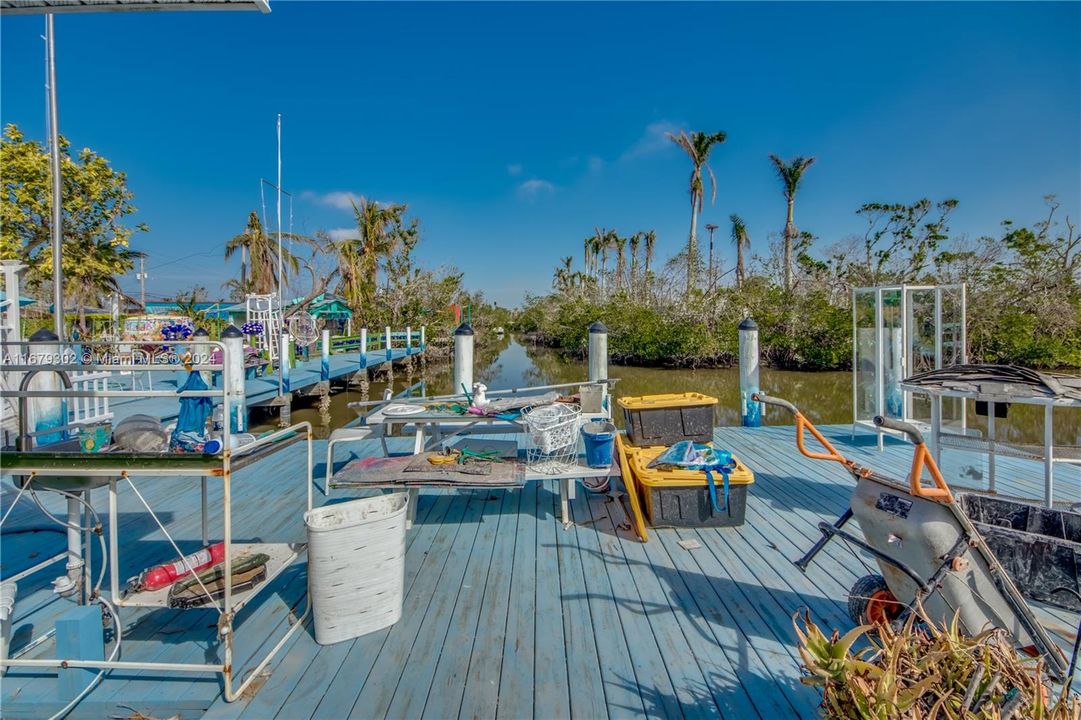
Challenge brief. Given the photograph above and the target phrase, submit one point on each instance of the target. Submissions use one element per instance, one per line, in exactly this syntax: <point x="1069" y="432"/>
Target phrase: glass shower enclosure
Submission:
<point x="898" y="331"/>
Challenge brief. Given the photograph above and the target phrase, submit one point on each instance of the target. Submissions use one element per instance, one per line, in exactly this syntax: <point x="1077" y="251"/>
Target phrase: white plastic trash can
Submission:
<point x="356" y="566"/>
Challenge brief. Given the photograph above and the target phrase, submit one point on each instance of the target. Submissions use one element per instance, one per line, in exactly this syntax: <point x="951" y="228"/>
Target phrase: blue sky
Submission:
<point x="512" y="129"/>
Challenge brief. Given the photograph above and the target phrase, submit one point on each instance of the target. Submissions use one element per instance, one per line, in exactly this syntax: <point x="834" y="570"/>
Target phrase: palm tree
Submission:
<point x="635" y="240"/>
<point x="697" y="145"/>
<point x="742" y="240"/>
<point x="651" y="240"/>
<point x="262" y="253"/>
<point x="587" y="247"/>
<point x="790" y="174"/>
<point x="564" y="278"/>
<point x="621" y="264"/>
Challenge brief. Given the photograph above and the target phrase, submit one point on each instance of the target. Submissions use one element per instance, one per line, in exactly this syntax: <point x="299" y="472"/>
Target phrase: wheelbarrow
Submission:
<point x="931" y="557"/>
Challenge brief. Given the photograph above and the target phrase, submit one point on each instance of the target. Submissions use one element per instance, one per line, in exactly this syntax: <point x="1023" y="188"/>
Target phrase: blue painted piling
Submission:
<point x="750" y="411"/>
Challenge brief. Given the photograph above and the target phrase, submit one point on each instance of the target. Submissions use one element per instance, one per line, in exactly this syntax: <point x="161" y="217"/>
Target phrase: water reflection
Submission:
<point x="825" y="397"/>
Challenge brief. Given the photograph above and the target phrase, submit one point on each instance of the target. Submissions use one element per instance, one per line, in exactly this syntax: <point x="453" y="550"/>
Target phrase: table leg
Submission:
<point x="991" y="447"/>
<point x="206" y="538"/>
<point x="566" y="492"/>
<point x="411" y="508"/>
<point x="936" y="429"/>
<point x="1049" y="458"/>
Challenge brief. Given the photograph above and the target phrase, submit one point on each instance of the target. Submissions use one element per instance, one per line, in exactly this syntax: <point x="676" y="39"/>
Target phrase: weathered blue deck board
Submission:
<point x="651" y="677"/>
<point x="583" y="665"/>
<point x="444" y="697"/>
<point x="439" y="632"/>
<point x="383" y="681"/>
<point x="480" y="694"/>
<point x="516" y="676"/>
<point x="622" y="697"/>
<point x="551" y="686"/>
<point x="505" y="612"/>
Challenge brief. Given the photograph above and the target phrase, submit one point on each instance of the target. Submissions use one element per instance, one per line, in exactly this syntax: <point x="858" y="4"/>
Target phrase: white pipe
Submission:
<point x="57" y="182"/>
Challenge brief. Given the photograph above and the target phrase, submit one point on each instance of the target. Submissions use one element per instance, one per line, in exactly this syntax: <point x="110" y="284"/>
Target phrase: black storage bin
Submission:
<point x="667" y="419"/>
<point x="690" y="507"/>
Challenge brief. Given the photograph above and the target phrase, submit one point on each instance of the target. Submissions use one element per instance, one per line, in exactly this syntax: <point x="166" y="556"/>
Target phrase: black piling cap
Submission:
<point x="200" y="333"/>
<point x="748" y="324"/>
<point x="44" y="335"/>
<point x="231" y="332"/>
<point x="598" y="327"/>
<point x="464" y="329"/>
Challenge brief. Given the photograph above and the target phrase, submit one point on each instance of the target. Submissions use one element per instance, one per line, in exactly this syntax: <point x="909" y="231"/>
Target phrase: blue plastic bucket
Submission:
<point x="600" y="438"/>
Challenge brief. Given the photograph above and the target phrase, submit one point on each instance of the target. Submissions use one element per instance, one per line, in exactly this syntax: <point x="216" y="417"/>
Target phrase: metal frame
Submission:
<point x="907" y="358"/>
<point x="119" y="467"/>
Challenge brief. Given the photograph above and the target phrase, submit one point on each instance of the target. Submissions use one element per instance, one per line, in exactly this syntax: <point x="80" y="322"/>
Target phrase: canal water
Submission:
<point x="824" y="397"/>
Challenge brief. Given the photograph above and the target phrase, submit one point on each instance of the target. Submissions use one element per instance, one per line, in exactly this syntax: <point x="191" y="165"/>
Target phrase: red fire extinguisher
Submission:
<point x="165" y="575"/>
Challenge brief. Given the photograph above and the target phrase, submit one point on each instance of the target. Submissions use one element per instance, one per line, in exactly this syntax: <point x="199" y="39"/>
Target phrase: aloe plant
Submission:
<point x="925" y="672"/>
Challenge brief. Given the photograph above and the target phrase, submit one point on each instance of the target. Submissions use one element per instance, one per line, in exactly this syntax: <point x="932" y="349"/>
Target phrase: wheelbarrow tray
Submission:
<point x="937" y="540"/>
<point x="1039" y="547"/>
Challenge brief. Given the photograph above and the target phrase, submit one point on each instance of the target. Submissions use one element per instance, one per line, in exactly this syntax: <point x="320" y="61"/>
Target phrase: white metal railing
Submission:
<point x="91" y="408"/>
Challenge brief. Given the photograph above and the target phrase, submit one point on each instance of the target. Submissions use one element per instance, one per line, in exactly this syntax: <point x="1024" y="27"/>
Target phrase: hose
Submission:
<point x="96" y="529"/>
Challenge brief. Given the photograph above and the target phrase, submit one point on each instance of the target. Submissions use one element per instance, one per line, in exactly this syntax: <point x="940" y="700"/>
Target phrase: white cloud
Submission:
<point x="514" y="169"/>
<point x="653" y="140"/>
<point x="337" y="199"/>
<point x="343" y="233"/>
<point x="533" y="188"/>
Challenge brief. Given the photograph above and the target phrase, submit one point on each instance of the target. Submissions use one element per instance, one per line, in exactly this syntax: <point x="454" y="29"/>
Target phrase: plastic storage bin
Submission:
<point x="356" y="566"/>
<point x="680" y="498"/>
<point x="665" y="419"/>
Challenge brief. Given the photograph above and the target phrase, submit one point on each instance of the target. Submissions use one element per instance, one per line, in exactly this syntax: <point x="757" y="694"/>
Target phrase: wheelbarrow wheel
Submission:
<point x="870" y="601"/>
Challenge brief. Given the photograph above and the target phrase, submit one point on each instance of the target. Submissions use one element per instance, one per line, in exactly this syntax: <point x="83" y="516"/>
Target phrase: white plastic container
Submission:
<point x="356" y="566"/>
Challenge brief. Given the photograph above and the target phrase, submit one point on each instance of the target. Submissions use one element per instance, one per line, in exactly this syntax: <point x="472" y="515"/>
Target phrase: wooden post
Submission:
<point x="423" y="343"/>
<point x="233" y="340"/>
<point x="364" y="348"/>
<point x="324" y="358"/>
<point x="463" y="358"/>
<point x="78" y="637"/>
<point x="750" y="411"/>
<point x="387" y="343"/>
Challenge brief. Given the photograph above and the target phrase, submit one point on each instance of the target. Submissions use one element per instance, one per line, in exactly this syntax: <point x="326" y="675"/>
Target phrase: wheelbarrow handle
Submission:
<point x="776" y="402"/>
<point x="909" y="429"/>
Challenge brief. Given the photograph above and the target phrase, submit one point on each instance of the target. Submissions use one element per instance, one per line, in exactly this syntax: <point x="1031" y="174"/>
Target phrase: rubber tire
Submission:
<point x="858" y="596"/>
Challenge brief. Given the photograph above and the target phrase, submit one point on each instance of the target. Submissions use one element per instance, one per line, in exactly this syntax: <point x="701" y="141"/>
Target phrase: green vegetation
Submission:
<point x="96" y="202"/>
<point x="1024" y="286"/>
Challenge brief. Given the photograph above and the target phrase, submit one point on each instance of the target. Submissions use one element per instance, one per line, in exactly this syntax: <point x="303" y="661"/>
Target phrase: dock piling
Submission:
<point x="324" y="357"/>
<point x="387" y="343"/>
<point x="750" y="412"/>
<point x="463" y="357"/>
<point x="598" y="352"/>
<point x="364" y="348"/>
<point x="408" y="340"/>
<point x="233" y="340"/>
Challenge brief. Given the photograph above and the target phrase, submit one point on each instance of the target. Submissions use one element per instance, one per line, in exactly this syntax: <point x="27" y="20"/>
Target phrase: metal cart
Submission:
<point x="61" y="467"/>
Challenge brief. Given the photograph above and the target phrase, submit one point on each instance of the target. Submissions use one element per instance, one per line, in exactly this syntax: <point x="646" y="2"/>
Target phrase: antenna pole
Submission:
<point x="281" y="307"/>
<point x="57" y="204"/>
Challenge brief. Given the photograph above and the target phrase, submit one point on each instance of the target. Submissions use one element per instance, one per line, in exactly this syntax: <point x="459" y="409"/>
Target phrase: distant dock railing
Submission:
<point x="409" y="340"/>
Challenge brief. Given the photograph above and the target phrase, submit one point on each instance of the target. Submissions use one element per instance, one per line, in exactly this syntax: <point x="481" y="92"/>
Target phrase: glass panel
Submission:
<point x="921" y="348"/>
<point x="866" y="357"/>
<point x="893" y="352"/>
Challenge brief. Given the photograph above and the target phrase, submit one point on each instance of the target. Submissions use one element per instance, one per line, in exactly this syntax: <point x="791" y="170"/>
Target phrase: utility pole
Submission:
<point x="141" y="276"/>
<point x="709" y="276"/>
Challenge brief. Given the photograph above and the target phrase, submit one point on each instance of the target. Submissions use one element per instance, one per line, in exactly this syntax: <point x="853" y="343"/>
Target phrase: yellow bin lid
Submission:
<point x="640" y="457"/>
<point x="667" y="400"/>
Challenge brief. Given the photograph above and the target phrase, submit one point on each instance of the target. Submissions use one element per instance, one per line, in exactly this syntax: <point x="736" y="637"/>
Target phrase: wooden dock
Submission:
<point x="263" y="390"/>
<point x="508" y="615"/>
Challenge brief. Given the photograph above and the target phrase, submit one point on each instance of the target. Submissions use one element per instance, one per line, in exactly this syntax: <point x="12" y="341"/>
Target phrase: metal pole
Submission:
<point x="750" y="412"/>
<point x="281" y="307"/>
<point x="463" y="358"/>
<point x="57" y="200"/>
<point x="142" y="282"/>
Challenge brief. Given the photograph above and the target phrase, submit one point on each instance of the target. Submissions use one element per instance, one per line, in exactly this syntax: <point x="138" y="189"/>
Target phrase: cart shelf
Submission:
<point x="281" y="555"/>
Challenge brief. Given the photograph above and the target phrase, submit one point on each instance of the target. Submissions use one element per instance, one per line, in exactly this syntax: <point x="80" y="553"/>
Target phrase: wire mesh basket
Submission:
<point x="552" y="446"/>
